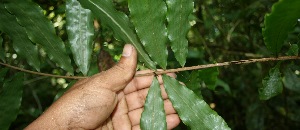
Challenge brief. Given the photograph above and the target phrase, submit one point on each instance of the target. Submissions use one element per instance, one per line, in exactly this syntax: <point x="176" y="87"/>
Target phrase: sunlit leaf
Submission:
<point x="193" y="111"/>
<point x="40" y="30"/>
<point x="2" y="53"/>
<point x="80" y="29"/>
<point x="22" y="45"/>
<point x="148" y="17"/>
<point x="291" y="80"/>
<point x="10" y="98"/>
<point x="178" y="26"/>
<point x="272" y="84"/>
<point x="154" y="116"/>
<point x="119" y="23"/>
<point x="279" y="23"/>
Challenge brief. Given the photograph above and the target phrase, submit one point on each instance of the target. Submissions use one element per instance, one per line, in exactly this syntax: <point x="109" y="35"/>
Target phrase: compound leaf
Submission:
<point x="272" y="84"/>
<point x="178" y="26"/>
<point x="119" y="23"/>
<point x="80" y="29"/>
<point x="148" y="17"/>
<point x="40" y="30"/>
<point x="279" y="23"/>
<point x="193" y="111"/>
<point x="154" y="116"/>
<point x="21" y="43"/>
<point x="10" y="98"/>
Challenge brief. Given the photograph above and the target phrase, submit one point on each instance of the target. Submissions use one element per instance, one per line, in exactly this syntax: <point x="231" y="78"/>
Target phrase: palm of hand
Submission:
<point x="127" y="113"/>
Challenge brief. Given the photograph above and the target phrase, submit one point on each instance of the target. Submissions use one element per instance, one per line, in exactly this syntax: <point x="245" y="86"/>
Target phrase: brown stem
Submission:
<point x="171" y="70"/>
<point x="220" y="64"/>
<point x="42" y="74"/>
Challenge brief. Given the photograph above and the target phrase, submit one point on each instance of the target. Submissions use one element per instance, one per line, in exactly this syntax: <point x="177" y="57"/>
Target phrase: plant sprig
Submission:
<point x="228" y="63"/>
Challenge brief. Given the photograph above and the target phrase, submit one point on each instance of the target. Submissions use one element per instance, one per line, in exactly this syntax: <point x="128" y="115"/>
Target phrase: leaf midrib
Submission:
<point x="52" y="47"/>
<point x="122" y="29"/>
<point x="183" y="99"/>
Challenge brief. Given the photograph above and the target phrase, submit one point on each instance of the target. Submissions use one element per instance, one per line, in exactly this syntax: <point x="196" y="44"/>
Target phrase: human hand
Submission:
<point x="131" y="100"/>
<point x="113" y="99"/>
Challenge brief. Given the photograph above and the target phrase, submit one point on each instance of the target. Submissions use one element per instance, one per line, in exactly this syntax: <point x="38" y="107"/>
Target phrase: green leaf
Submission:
<point x="279" y="23"/>
<point x="193" y="111"/>
<point x="154" y="116"/>
<point x="291" y="80"/>
<point x="272" y="84"/>
<point x="178" y="27"/>
<point x="21" y="44"/>
<point x="80" y="29"/>
<point x="193" y="83"/>
<point x="148" y="17"/>
<point x="209" y="76"/>
<point x="3" y="72"/>
<point x="10" y="98"/>
<point x="2" y="52"/>
<point x="293" y="51"/>
<point x="40" y="30"/>
<point x="119" y="23"/>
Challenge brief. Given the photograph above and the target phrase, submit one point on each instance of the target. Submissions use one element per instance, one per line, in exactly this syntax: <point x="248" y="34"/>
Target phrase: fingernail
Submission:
<point x="127" y="50"/>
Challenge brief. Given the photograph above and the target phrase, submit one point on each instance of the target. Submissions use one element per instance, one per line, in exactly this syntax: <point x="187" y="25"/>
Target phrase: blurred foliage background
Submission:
<point x="223" y="30"/>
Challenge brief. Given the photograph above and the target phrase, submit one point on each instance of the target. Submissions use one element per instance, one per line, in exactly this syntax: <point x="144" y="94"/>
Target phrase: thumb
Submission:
<point x="121" y="74"/>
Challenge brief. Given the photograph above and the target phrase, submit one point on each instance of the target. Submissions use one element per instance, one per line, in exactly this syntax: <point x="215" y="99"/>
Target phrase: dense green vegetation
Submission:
<point x="247" y="96"/>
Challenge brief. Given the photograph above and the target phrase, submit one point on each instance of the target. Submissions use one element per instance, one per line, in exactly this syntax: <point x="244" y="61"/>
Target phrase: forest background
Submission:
<point x="221" y="30"/>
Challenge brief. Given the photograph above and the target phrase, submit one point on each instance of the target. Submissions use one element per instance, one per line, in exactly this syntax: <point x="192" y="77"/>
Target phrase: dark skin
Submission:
<point x="110" y="100"/>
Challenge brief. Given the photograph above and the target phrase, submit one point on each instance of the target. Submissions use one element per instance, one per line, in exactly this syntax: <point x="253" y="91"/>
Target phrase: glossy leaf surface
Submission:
<point x="193" y="111"/>
<point x="40" y="30"/>
<point x="119" y="23"/>
<point x="21" y="43"/>
<point x="80" y="29"/>
<point x="272" y="84"/>
<point x="178" y="27"/>
<point x="154" y="116"/>
<point x="148" y="17"/>
<point x="279" y="23"/>
<point x="10" y="98"/>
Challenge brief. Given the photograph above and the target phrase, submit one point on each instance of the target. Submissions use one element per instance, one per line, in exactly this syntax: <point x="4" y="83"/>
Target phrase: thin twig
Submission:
<point x="171" y="70"/>
<point x="220" y="64"/>
<point x="42" y="74"/>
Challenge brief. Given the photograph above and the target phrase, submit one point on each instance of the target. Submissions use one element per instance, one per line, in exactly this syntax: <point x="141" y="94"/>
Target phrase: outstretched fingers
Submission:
<point x="135" y="94"/>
